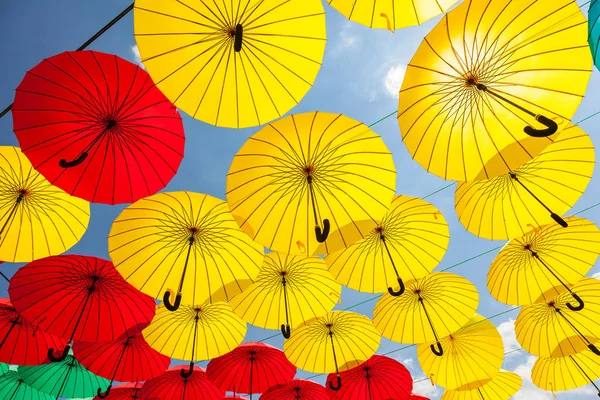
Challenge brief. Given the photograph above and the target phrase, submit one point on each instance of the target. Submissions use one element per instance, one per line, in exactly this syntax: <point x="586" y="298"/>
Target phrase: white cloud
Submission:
<point x="509" y="337"/>
<point x="136" y="55"/>
<point x="408" y="362"/>
<point x="347" y="39"/>
<point x="596" y="275"/>
<point x="423" y="387"/>
<point x="529" y="391"/>
<point x="393" y="79"/>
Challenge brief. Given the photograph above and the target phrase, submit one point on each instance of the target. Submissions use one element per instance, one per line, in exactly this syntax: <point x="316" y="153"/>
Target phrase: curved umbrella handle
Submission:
<point x="60" y="357"/>
<point x="186" y="374"/>
<point x="286" y="331"/>
<point x="437" y="349"/>
<point x="336" y="387"/>
<point x="392" y="292"/>
<point x="105" y="394"/>
<point x="237" y="42"/>
<point x="551" y="127"/>
<point x="559" y="220"/>
<point x="322" y="235"/>
<point x="68" y="164"/>
<point x="167" y="303"/>
<point x="594" y="349"/>
<point x="579" y="306"/>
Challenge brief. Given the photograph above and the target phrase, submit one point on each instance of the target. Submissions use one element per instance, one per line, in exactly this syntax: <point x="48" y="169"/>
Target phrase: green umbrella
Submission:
<point x="12" y="387"/>
<point x="3" y="368"/>
<point x="66" y="378"/>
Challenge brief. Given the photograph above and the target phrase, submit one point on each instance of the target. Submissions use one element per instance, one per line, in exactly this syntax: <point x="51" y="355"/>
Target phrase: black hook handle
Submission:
<point x="551" y="127"/>
<point x="167" y="303"/>
<point x="60" y="357"/>
<point x="392" y="292"/>
<point x="68" y="164"/>
<point x="186" y="374"/>
<point x="237" y="42"/>
<point x="338" y="386"/>
<point x="322" y="235"/>
<point x="579" y="306"/>
<point x="594" y="349"/>
<point x="105" y="394"/>
<point x="286" y="331"/>
<point x="437" y="349"/>
<point x="559" y="220"/>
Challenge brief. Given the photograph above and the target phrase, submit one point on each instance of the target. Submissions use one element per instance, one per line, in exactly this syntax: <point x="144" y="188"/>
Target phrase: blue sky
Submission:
<point x="361" y="74"/>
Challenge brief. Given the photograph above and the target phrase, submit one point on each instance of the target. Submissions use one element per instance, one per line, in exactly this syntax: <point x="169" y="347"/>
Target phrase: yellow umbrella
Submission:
<point x="335" y="342"/>
<point x="237" y="63"/>
<point x="551" y="329"/>
<point x="159" y="240"/>
<point x="314" y="168"/>
<point x="537" y="193"/>
<point x="288" y="291"/>
<point x="410" y="242"/>
<point x="566" y="373"/>
<point x="392" y="14"/>
<point x="544" y="262"/>
<point x="473" y="356"/>
<point x="490" y="83"/>
<point x="195" y="333"/>
<point x="503" y="387"/>
<point x="432" y="307"/>
<point x="37" y="219"/>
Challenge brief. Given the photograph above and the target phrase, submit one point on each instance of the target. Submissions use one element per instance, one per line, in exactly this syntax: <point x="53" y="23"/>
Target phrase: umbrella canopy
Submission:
<point x="158" y="241"/>
<point x="96" y="126"/>
<point x="391" y="15"/>
<point x="235" y="64"/>
<point x="432" y="307"/>
<point x="171" y="385"/>
<point x="594" y="30"/>
<point x="319" y="169"/>
<point x="251" y="368"/>
<point x="410" y="242"/>
<point x="12" y="387"/>
<point x="566" y="373"/>
<point x="552" y="329"/>
<point x="66" y="378"/>
<point x="128" y="391"/>
<point x="36" y="219"/>
<point x="537" y="193"/>
<point x="472" y="356"/>
<point x="127" y="359"/>
<point x="378" y="378"/>
<point x="288" y="291"/>
<point x="195" y="333"/>
<point x="297" y="389"/>
<point x="543" y="263"/>
<point x="335" y="342"/>
<point x="22" y="343"/>
<point x="78" y="297"/>
<point x="503" y="387"/>
<point x="3" y="368"/>
<point x="490" y="83"/>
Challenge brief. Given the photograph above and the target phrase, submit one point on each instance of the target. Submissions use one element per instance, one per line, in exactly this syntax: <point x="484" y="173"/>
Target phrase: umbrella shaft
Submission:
<point x="187" y="259"/>
<point x="514" y="177"/>
<point x="312" y="200"/>
<point x="498" y="96"/>
<point x="389" y="253"/>
<point x="571" y="325"/>
<point x="64" y="382"/>
<point x="334" y="355"/>
<point x="16" y="390"/>
<point x="12" y="326"/>
<point x="428" y="319"/>
<point x="11" y="214"/>
<point x="285" y="301"/>
<point x="251" y="365"/>
<point x="550" y="270"/>
<point x="87" y="299"/>
<point x="584" y="373"/>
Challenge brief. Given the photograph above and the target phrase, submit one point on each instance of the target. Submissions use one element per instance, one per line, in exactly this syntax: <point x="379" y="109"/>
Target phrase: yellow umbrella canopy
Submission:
<point x="430" y="308"/>
<point x="392" y="14"/>
<point x="472" y="356"/>
<point x="288" y="291"/>
<point x="410" y="242"/>
<point x="552" y="329"/>
<point x="306" y="175"/>
<point x="195" y="333"/>
<point x="183" y="241"/>
<point x="236" y="64"/>
<point x="491" y="84"/>
<point x="338" y="341"/>
<point x="503" y="387"/>
<point x="537" y="193"/>
<point x="566" y="373"/>
<point x="37" y="219"/>
<point x="543" y="263"/>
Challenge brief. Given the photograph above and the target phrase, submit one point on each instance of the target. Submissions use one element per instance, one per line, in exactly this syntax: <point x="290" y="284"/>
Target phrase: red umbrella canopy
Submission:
<point x="417" y="397"/>
<point x="172" y="386"/>
<point x="21" y="343"/>
<point x="251" y="368"/>
<point x="96" y="126"/>
<point x="79" y="297"/>
<point x="378" y="378"/>
<point x="127" y="359"/>
<point x="129" y="391"/>
<point x="297" y="389"/>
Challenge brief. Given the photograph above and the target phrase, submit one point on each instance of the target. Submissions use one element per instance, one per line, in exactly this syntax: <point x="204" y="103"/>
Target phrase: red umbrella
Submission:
<point x="96" y="126"/>
<point x="297" y="389"/>
<point x="172" y="386"/>
<point x="129" y="391"/>
<point x="417" y="397"/>
<point x="79" y="297"/>
<point x="127" y="359"/>
<point x="378" y="378"/>
<point x="251" y="368"/>
<point x="21" y="343"/>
